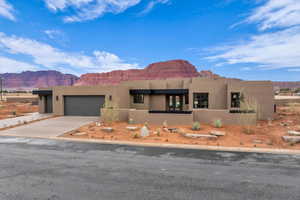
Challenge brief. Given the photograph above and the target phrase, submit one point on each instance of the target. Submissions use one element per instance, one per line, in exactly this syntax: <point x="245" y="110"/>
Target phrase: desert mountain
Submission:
<point x="29" y="80"/>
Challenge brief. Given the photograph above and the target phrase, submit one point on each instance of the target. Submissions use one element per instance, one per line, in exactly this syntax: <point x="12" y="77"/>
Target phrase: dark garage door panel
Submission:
<point x="83" y="105"/>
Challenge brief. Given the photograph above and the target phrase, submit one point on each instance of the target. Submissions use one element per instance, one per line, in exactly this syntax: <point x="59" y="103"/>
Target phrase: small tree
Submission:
<point x="110" y="111"/>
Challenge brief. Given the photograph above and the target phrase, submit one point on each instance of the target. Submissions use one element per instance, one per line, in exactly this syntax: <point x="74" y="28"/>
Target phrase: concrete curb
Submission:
<point x="177" y="146"/>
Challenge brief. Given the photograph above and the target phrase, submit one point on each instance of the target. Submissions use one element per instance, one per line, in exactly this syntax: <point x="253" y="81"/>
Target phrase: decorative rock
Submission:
<point x="80" y="133"/>
<point x="98" y="124"/>
<point x="173" y="130"/>
<point x="132" y="128"/>
<point x="217" y="133"/>
<point x="257" y="141"/>
<point x="292" y="139"/>
<point x="166" y="129"/>
<point x="145" y="132"/>
<point x="192" y="135"/>
<point x="294" y="133"/>
<point x="107" y="129"/>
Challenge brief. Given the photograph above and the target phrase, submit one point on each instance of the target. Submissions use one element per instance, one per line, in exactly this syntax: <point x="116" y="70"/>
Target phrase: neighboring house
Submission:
<point x="178" y="101"/>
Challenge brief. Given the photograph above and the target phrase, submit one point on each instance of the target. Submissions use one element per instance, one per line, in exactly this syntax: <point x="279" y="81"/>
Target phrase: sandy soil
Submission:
<point x="264" y="134"/>
<point x="7" y="110"/>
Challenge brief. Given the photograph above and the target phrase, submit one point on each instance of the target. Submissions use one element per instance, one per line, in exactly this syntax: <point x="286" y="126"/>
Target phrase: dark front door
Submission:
<point x="174" y="102"/>
<point x="48" y="104"/>
<point x="83" y="105"/>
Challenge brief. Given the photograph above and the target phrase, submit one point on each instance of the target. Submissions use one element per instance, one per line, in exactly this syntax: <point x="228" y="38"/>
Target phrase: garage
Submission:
<point x="83" y="105"/>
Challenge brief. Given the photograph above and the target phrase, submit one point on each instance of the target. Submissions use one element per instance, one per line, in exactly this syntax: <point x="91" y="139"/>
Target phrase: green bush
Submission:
<point x="218" y="123"/>
<point x="196" y="126"/>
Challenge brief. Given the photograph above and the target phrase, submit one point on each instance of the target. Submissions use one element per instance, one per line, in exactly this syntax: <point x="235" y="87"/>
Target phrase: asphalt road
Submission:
<point x="50" y="170"/>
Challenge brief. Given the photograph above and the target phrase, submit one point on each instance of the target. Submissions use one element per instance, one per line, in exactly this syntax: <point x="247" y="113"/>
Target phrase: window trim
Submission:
<point x="194" y="100"/>
<point x="137" y="100"/>
<point x="235" y="104"/>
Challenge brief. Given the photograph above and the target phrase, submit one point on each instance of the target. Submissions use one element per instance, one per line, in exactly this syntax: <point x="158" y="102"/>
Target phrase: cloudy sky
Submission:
<point x="249" y="39"/>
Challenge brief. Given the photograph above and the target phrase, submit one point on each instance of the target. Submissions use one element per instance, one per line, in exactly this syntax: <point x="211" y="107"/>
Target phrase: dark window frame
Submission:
<point x="235" y="101"/>
<point x="138" y="99"/>
<point x="201" y="98"/>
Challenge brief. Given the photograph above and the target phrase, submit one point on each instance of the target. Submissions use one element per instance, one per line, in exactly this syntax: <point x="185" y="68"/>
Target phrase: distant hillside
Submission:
<point x="160" y="70"/>
<point x="287" y="84"/>
<point x="29" y="80"/>
<point x="155" y="71"/>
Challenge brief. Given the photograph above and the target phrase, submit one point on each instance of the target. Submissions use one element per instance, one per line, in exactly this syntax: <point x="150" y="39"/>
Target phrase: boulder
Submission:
<point x="294" y="133"/>
<point x="79" y="133"/>
<point x="107" y="129"/>
<point x="217" y="133"/>
<point x="145" y="132"/>
<point x="257" y="141"/>
<point x="132" y="128"/>
<point x="192" y="135"/>
<point x="292" y="139"/>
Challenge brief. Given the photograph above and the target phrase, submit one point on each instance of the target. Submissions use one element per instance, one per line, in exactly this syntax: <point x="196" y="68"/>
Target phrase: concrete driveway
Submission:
<point x="50" y="127"/>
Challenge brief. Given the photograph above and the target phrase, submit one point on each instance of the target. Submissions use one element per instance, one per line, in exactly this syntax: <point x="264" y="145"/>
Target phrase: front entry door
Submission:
<point x="174" y="102"/>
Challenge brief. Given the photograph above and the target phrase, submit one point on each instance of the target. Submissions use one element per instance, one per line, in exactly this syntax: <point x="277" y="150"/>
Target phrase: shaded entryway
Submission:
<point x="83" y="105"/>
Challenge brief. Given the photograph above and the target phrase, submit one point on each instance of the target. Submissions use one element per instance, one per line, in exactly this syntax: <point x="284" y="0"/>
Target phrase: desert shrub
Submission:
<point x="294" y="108"/>
<point x="14" y="113"/>
<point x="196" y="126"/>
<point x="246" y="119"/>
<point x="130" y="121"/>
<point x="158" y="131"/>
<point x="136" y="136"/>
<point x="218" y="123"/>
<point x="110" y="111"/>
<point x="165" y="124"/>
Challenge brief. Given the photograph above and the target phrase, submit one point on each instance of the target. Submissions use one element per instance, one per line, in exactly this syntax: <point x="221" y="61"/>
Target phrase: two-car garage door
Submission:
<point x="83" y="105"/>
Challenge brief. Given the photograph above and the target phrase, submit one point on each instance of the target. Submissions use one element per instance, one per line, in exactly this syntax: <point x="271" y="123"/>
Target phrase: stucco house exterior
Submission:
<point x="177" y="101"/>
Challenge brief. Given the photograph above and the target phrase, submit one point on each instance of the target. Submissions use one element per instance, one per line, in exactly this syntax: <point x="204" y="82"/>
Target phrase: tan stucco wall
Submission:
<point x="208" y="116"/>
<point x="157" y="102"/>
<point x="142" y="116"/>
<point x="260" y="91"/>
<point x="217" y="90"/>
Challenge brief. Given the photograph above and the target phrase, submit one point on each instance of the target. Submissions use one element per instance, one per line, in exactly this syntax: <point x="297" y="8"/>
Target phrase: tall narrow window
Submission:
<point x="235" y="100"/>
<point x="138" y="98"/>
<point x="201" y="100"/>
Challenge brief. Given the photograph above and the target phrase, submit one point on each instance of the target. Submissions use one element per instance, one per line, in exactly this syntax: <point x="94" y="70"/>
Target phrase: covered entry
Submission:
<point x="83" y="105"/>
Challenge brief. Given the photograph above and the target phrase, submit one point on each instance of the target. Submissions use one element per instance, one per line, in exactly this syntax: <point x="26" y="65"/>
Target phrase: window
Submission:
<point x="200" y="100"/>
<point x="138" y="98"/>
<point x="235" y="99"/>
<point x="186" y="99"/>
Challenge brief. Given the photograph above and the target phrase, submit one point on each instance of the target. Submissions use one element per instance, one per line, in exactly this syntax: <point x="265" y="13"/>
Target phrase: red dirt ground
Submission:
<point x="268" y="133"/>
<point x="7" y="109"/>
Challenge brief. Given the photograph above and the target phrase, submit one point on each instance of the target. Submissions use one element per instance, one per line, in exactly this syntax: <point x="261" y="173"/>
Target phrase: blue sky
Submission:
<point x="248" y="39"/>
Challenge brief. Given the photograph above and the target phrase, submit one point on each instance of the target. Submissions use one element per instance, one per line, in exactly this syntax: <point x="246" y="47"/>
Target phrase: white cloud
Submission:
<point x="279" y="48"/>
<point x="90" y="9"/>
<point x="52" y="34"/>
<point x="152" y="4"/>
<point x="276" y="14"/>
<point x="50" y="57"/>
<point x="6" y="10"/>
<point x="8" y="65"/>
